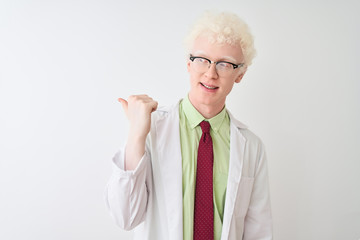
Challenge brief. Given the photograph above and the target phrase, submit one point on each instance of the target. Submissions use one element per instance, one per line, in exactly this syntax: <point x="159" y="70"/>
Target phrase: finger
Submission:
<point x="124" y="105"/>
<point x="154" y="106"/>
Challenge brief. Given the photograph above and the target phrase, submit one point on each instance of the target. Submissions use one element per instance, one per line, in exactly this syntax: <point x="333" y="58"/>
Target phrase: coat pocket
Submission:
<point x="243" y="196"/>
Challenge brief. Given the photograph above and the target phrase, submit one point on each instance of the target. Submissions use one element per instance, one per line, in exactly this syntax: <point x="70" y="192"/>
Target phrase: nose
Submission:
<point x="211" y="72"/>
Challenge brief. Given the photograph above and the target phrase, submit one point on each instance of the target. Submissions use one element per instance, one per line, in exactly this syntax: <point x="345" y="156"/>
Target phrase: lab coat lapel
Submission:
<point x="237" y="147"/>
<point x="169" y="153"/>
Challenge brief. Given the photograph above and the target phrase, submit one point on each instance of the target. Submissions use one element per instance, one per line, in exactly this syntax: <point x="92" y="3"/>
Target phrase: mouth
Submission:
<point x="209" y="87"/>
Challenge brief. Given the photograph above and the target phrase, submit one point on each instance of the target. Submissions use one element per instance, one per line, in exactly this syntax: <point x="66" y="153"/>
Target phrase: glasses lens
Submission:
<point x="201" y="65"/>
<point x="224" y="68"/>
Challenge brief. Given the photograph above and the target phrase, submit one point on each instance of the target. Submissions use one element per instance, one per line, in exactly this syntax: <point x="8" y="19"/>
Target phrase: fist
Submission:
<point x="138" y="109"/>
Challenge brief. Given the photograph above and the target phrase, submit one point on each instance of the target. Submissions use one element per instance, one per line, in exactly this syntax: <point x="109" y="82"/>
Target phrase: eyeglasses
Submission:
<point x="223" y="68"/>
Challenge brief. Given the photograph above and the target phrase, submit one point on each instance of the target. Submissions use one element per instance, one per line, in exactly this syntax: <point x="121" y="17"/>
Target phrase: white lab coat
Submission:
<point x="149" y="198"/>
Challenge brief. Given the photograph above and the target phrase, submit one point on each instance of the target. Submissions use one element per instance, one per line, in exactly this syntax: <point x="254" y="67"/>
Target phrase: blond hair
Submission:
<point x="223" y="28"/>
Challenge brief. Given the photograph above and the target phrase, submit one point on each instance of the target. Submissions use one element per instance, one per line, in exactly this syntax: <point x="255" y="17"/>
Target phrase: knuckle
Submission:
<point x="134" y="98"/>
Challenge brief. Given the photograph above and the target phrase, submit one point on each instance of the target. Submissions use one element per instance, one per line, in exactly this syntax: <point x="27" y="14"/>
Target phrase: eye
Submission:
<point x="224" y="65"/>
<point x="202" y="60"/>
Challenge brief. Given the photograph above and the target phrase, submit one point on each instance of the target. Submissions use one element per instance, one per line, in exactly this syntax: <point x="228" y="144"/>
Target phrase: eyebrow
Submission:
<point x="228" y="58"/>
<point x="223" y="58"/>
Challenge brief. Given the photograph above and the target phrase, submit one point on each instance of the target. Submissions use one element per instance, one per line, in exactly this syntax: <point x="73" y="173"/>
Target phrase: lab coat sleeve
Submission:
<point x="258" y="220"/>
<point x="126" y="194"/>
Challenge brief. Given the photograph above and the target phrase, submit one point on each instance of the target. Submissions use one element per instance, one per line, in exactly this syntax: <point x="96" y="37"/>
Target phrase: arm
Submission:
<point x="258" y="220"/>
<point x="127" y="191"/>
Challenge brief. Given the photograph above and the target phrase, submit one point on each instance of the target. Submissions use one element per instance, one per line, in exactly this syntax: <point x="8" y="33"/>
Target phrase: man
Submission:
<point x="192" y="171"/>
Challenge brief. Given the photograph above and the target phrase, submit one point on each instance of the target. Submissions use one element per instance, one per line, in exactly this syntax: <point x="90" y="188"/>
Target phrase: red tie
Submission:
<point x="204" y="208"/>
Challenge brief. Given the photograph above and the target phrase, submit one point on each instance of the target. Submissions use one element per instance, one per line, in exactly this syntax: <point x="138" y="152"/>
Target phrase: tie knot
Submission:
<point x="205" y="126"/>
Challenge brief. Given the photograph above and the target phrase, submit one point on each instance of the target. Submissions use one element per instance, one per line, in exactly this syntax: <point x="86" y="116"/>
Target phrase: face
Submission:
<point x="208" y="89"/>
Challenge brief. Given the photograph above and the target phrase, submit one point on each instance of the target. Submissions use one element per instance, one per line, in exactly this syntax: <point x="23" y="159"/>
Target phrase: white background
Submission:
<point x="63" y="64"/>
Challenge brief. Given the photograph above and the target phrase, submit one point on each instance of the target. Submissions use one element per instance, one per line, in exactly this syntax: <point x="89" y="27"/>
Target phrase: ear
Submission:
<point x="238" y="79"/>
<point x="188" y="65"/>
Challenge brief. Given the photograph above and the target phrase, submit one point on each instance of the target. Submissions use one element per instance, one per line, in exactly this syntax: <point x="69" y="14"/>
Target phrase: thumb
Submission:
<point x="124" y="104"/>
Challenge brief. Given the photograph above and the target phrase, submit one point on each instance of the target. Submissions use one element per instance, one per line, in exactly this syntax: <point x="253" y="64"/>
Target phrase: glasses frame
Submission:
<point x="192" y="58"/>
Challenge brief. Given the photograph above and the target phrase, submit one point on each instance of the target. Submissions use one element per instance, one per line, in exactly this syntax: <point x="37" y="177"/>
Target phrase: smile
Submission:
<point x="208" y="87"/>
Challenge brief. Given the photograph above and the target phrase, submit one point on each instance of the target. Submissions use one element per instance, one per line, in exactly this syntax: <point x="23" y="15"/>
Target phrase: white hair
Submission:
<point x="223" y="28"/>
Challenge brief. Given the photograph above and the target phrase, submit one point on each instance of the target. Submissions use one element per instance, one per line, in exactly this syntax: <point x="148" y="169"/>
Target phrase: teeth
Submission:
<point x="208" y="87"/>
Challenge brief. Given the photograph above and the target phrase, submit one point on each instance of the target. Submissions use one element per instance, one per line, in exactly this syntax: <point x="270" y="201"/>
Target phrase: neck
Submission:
<point x="207" y="110"/>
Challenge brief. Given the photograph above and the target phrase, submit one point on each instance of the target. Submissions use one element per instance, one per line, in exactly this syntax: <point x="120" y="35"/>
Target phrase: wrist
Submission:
<point x="136" y="139"/>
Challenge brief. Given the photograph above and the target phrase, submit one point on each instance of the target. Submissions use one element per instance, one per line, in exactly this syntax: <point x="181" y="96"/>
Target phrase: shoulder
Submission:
<point x="252" y="139"/>
<point x="247" y="134"/>
<point x="166" y="111"/>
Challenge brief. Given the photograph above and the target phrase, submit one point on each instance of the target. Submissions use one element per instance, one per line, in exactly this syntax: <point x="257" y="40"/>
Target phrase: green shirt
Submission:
<point x="190" y="133"/>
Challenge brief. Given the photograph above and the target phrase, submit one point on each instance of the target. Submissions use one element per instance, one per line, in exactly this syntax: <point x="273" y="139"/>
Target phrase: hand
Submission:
<point x="138" y="110"/>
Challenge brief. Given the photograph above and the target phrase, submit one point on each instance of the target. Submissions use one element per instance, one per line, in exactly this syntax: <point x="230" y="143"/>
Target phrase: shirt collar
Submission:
<point x="195" y="118"/>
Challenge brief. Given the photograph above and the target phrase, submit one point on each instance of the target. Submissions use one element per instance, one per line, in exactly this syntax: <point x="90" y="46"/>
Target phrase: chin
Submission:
<point x="209" y="101"/>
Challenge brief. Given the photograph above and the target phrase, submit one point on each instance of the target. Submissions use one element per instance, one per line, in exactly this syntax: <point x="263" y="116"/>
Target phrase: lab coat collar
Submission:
<point x="175" y="109"/>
